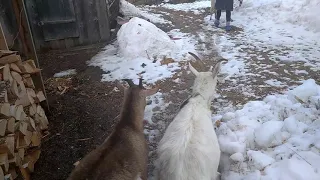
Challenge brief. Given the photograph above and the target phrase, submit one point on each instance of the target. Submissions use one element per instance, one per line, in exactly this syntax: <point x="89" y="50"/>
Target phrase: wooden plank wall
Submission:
<point x="15" y="24"/>
<point x="3" y="41"/>
<point x="92" y="20"/>
<point x="9" y="24"/>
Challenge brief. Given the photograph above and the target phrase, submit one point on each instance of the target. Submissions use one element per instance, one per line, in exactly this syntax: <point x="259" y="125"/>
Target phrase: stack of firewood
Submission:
<point x="23" y="121"/>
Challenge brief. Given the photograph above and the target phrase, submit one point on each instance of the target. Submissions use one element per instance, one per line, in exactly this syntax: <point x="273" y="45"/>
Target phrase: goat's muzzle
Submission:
<point x="140" y="83"/>
<point x="130" y="82"/>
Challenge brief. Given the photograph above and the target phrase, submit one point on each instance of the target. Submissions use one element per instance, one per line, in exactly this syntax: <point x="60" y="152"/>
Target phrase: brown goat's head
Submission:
<point x="138" y="93"/>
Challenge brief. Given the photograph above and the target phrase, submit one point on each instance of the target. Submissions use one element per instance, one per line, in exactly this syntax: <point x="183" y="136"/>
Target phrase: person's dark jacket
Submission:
<point x="226" y="5"/>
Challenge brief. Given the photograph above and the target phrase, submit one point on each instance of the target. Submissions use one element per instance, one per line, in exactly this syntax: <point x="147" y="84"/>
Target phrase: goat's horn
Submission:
<point x="222" y="60"/>
<point x="129" y="81"/>
<point x="195" y="56"/>
<point x="140" y="83"/>
<point x="198" y="59"/>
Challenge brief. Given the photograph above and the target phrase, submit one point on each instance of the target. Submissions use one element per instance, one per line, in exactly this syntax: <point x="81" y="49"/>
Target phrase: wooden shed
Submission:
<point x="60" y="24"/>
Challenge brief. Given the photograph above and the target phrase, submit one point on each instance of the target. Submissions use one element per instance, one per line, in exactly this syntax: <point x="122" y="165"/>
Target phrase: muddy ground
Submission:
<point x="81" y="116"/>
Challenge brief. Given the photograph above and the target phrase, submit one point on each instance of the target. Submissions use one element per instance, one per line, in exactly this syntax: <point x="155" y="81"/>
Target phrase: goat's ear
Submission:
<point x="120" y="86"/>
<point x="193" y="70"/>
<point x="149" y="92"/>
<point x="216" y="69"/>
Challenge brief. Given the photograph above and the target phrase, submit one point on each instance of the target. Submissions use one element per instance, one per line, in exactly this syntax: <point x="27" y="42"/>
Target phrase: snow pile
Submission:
<point x="306" y="90"/>
<point x="139" y="38"/>
<point x="129" y="10"/>
<point x="139" y="51"/>
<point x="277" y="138"/>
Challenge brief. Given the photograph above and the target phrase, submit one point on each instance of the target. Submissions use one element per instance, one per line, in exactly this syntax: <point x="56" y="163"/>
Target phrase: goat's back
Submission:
<point x="123" y="156"/>
<point x="189" y="149"/>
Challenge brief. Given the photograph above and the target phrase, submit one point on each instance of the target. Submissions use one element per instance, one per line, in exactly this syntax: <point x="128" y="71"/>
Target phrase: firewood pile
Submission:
<point x="23" y="122"/>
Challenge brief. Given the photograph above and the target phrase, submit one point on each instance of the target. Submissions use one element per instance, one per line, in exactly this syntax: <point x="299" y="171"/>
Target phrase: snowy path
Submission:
<point x="268" y="53"/>
<point x="264" y="56"/>
<point x="278" y="54"/>
<point x="270" y="139"/>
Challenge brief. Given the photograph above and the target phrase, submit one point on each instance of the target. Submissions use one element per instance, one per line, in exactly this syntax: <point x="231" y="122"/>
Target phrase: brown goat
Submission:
<point x="124" y="154"/>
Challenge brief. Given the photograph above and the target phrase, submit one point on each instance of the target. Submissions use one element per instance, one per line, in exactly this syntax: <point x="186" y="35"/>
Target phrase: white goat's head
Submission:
<point x="206" y="82"/>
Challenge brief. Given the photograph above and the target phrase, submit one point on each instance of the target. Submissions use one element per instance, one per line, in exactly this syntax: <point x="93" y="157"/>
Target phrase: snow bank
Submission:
<point x="140" y="38"/>
<point x="308" y="89"/>
<point x="266" y="134"/>
<point x="294" y="168"/>
<point x="277" y="138"/>
<point x="259" y="159"/>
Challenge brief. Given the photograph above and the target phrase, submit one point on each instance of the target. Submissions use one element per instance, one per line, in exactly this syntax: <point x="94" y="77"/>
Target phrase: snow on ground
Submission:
<point x="65" y="73"/>
<point x="277" y="138"/>
<point x="302" y="12"/>
<point x="227" y="49"/>
<point x="155" y="105"/>
<point x="139" y="49"/>
<point x="129" y="10"/>
<point x="274" y="82"/>
<point x="196" y="7"/>
<point x="284" y="30"/>
<point x="155" y="18"/>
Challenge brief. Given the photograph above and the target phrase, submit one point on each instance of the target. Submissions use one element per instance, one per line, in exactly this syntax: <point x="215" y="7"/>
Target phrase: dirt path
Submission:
<point x="83" y="111"/>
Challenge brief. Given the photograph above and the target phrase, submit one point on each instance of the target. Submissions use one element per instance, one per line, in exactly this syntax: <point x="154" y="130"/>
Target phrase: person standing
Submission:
<point x="226" y="5"/>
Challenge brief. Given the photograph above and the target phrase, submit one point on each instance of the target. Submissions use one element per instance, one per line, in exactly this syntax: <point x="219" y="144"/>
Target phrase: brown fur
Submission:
<point x="124" y="154"/>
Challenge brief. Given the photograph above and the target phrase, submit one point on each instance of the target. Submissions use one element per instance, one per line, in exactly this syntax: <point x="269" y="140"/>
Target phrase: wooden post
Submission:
<point x="3" y="41"/>
<point x="28" y="43"/>
<point x="18" y="11"/>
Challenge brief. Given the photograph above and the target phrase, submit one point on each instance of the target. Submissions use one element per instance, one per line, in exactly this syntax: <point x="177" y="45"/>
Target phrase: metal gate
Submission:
<point x="57" y="19"/>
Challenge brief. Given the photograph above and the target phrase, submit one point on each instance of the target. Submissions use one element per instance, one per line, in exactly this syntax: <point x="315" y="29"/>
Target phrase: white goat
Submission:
<point x="189" y="149"/>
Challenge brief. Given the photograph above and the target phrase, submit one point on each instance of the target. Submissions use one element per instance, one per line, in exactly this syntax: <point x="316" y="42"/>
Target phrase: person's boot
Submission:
<point x="216" y="23"/>
<point x="228" y="26"/>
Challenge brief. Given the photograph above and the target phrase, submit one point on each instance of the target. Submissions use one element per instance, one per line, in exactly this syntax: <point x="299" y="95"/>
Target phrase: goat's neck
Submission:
<point x="132" y="113"/>
<point x="206" y="101"/>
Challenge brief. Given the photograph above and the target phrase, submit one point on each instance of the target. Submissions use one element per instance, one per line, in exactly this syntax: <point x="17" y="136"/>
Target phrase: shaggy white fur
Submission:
<point x="189" y="149"/>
